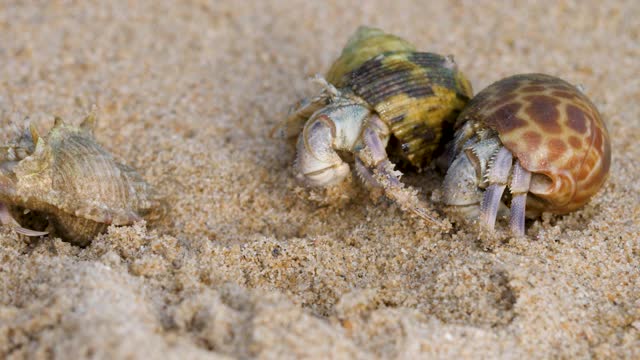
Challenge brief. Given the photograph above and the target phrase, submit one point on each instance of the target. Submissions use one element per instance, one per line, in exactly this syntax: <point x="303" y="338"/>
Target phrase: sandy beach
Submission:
<point x="251" y="264"/>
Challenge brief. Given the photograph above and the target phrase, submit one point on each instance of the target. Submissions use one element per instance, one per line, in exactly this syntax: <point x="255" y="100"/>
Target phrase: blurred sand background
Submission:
<point x="249" y="264"/>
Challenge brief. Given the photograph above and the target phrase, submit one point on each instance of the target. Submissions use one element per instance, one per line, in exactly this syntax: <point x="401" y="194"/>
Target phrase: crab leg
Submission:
<point x="366" y="175"/>
<point x="520" y="181"/>
<point x="497" y="177"/>
<point x="376" y="169"/>
<point x="8" y="220"/>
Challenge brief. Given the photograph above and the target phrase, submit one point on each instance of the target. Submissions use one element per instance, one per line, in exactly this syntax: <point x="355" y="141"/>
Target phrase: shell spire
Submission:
<point x="33" y="132"/>
<point x="58" y="122"/>
<point x="89" y="123"/>
<point x="365" y="44"/>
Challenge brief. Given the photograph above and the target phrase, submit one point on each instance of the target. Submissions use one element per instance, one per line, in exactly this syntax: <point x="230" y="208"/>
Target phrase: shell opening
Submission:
<point x="540" y="184"/>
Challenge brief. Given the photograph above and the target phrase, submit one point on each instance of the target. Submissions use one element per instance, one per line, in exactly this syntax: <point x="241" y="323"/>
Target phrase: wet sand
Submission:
<point x="251" y="264"/>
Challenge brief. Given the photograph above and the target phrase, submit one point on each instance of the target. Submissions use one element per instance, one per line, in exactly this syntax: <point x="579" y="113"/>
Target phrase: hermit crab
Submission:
<point x="379" y="88"/>
<point x="70" y="182"/>
<point x="538" y="135"/>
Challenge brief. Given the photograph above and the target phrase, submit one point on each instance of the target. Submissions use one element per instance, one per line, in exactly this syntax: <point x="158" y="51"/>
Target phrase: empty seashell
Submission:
<point x="72" y="182"/>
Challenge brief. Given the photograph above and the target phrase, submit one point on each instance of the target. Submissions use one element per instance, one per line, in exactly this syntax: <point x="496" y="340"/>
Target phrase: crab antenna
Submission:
<point x="331" y="90"/>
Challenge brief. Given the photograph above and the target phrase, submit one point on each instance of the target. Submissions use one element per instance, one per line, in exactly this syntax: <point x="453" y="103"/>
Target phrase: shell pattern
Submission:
<point x="553" y="129"/>
<point x="418" y="94"/>
<point x="77" y="185"/>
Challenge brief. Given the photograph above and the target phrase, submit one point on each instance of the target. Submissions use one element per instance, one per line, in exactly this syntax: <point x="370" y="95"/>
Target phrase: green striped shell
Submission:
<point x="417" y="94"/>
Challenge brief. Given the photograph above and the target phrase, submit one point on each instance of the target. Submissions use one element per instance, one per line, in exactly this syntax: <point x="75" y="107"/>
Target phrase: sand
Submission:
<point x="250" y="264"/>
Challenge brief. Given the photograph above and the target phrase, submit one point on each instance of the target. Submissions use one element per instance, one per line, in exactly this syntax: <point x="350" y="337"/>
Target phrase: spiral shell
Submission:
<point x="417" y="94"/>
<point x="554" y="131"/>
<point x="77" y="185"/>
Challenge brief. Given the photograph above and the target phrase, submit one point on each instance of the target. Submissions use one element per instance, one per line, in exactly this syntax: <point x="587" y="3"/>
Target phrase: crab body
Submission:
<point x="70" y="180"/>
<point x="379" y="88"/>
<point x="536" y="134"/>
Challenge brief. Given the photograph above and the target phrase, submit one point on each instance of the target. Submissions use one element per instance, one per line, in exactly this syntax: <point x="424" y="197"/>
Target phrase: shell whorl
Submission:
<point x="365" y="44"/>
<point x="418" y="94"/>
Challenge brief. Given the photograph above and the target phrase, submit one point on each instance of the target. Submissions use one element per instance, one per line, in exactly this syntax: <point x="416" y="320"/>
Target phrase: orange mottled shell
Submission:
<point x="554" y="130"/>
